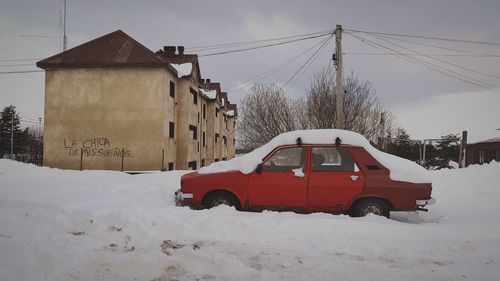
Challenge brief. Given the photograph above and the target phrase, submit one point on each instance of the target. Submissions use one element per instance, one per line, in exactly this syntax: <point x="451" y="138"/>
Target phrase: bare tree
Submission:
<point x="363" y="112"/>
<point x="265" y="112"/>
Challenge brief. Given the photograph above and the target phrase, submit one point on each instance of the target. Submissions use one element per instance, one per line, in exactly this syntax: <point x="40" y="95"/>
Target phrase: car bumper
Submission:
<point x="426" y="202"/>
<point x="180" y="197"/>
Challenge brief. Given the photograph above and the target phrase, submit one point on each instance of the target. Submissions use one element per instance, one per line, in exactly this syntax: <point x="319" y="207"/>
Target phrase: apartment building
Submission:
<point x="113" y="104"/>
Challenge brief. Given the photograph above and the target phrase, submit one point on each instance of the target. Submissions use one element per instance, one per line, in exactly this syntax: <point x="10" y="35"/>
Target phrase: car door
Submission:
<point x="282" y="184"/>
<point x="334" y="179"/>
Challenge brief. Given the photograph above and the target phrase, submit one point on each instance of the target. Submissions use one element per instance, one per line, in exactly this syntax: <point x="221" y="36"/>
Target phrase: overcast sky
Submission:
<point x="427" y="104"/>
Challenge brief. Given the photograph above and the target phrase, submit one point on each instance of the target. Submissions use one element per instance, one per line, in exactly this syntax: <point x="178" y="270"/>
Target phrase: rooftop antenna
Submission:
<point x="65" y="38"/>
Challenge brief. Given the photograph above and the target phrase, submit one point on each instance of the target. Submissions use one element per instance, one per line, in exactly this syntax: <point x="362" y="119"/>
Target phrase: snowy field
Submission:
<point x="99" y="225"/>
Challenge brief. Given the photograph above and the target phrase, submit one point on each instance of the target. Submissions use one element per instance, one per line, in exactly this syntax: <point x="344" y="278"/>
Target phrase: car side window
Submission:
<point x="331" y="159"/>
<point x="285" y="159"/>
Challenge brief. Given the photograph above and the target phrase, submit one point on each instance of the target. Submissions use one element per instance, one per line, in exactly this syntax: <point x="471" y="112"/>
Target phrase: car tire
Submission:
<point x="370" y="206"/>
<point x="221" y="198"/>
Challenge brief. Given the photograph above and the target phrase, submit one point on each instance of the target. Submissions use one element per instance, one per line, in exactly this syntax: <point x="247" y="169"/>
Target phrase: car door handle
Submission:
<point x="354" y="178"/>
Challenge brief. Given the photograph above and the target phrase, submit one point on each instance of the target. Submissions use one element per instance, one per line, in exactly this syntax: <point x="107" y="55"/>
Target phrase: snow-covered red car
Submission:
<point x="328" y="170"/>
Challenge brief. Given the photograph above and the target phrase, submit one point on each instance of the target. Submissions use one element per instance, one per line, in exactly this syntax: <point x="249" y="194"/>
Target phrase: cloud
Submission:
<point x="476" y="112"/>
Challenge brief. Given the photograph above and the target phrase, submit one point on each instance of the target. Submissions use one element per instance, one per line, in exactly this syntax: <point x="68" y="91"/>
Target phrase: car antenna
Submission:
<point x="338" y="141"/>
<point x="299" y="141"/>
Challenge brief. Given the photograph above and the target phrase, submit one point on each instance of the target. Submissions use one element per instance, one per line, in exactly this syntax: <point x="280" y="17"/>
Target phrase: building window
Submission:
<point x="195" y="131"/>
<point x="216" y="112"/>
<point x="234" y="141"/>
<point x="216" y="159"/>
<point x="204" y="144"/>
<point x="225" y="140"/>
<point x="170" y="166"/>
<point x="224" y="158"/>
<point x="202" y="162"/>
<point x="172" y="89"/>
<point x="192" y="165"/>
<point x="198" y="117"/>
<point x="204" y="111"/>
<point x="171" y="129"/>
<point x="216" y="138"/>
<point x="198" y="147"/>
<point x="195" y="95"/>
<point x="481" y="156"/>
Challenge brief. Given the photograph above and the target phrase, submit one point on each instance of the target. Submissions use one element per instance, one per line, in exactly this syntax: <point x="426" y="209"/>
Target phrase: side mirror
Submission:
<point x="259" y="168"/>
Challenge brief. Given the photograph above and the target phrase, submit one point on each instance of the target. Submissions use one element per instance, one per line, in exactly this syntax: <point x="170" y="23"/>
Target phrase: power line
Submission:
<point x="425" y="64"/>
<point x="440" y="60"/>
<point x="24" y="71"/>
<point x="310" y="59"/>
<point x="422" y="54"/>
<point x="12" y="60"/>
<point x="263" y="46"/>
<point x="427" y="37"/>
<point x="275" y="69"/>
<point x="22" y="64"/>
<point x="419" y="61"/>
<point x="432" y="45"/>
<point x="28" y="36"/>
<point x="225" y="45"/>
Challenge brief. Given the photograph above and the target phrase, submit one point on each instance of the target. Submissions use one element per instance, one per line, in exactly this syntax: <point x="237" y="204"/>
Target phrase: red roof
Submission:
<point x="115" y="49"/>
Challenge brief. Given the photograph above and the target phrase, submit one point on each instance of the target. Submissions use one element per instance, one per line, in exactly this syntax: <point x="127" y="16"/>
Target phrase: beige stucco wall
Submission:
<point x="231" y="149"/>
<point x="187" y="114"/>
<point x="104" y="111"/>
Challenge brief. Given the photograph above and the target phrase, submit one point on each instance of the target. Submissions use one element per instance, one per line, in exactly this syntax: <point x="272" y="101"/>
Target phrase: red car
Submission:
<point x="311" y="174"/>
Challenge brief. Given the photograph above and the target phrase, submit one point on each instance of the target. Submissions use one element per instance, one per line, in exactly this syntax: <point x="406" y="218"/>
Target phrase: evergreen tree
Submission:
<point x="10" y="123"/>
<point x="403" y="146"/>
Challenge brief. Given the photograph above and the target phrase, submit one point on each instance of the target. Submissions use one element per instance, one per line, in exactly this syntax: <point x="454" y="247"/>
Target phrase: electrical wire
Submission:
<point x="415" y="54"/>
<point x="425" y="64"/>
<point x="426" y="37"/>
<point x="22" y="64"/>
<point x="263" y="46"/>
<point x="417" y="61"/>
<point x="439" y="60"/>
<point x="310" y="59"/>
<point x="274" y="69"/>
<point x="13" y="60"/>
<point x="24" y="71"/>
<point x="225" y="45"/>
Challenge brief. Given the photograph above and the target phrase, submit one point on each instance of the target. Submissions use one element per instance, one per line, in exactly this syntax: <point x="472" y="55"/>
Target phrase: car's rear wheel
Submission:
<point x="370" y="206"/>
<point x="221" y="198"/>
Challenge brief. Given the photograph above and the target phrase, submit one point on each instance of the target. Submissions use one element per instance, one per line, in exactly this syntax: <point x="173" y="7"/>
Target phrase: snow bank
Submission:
<point x="183" y="69"/>
<point x="211" y="94"/>
<point x="104" y="225"/>
<point x="400" y="169"/>
<point x="230" y="113"/>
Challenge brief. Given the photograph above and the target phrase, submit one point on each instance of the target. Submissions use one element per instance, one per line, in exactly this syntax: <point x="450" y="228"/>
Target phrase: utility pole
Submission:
<point x="12" y="134"/>
<point x="65" y="38"/>
<point x="339" y="91"/>
<point x="463" y="148"/>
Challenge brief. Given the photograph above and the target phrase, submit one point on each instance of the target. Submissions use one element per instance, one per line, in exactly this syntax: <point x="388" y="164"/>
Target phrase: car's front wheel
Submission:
<point x="370" y="206"/>
<point x="221" y="198"/>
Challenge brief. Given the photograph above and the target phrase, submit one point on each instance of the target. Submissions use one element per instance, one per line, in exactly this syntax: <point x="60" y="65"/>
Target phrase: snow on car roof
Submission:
<point x="400" y="169"/>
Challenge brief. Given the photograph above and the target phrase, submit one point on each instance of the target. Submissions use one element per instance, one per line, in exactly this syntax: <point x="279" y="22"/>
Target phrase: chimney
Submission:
<point x="181" y="50"/>
<point x="169" y="50"/>
<point x="208" y="81"/>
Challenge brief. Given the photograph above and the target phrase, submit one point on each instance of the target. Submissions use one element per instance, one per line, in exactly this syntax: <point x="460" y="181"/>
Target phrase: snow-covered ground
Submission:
<point x="98" y="225"/>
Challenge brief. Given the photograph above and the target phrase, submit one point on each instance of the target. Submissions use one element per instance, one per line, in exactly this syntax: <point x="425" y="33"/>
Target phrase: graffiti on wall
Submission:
<point x="95" y="147"/>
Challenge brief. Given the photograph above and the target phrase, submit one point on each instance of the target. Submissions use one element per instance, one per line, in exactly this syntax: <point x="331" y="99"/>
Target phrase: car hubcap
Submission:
<point x="371" y="209"/>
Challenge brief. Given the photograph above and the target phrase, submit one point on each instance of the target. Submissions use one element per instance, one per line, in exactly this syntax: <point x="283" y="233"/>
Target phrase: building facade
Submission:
<point x="483" y="151"/>
<point x="113" y="104"/>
